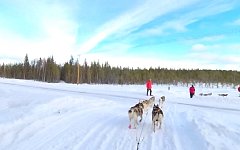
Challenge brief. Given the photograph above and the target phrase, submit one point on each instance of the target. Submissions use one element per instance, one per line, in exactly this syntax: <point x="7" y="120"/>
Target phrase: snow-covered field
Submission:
<point x="60" y="116"/>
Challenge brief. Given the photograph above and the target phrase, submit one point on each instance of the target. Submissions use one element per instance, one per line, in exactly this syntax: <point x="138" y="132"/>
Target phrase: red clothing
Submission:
<point x="239" y="89"/>
<point x="192" y="90"/>
<point x="149" y="84"/>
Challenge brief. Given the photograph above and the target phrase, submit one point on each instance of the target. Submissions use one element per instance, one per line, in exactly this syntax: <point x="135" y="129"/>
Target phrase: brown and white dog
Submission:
<point x="145" y="105"/>
<point x="137" y="111"/>
<point x="148" y="103"/>
<point x="151" y="101"/>
<point x="134" y="113"/>
<point x="157" y="116"/>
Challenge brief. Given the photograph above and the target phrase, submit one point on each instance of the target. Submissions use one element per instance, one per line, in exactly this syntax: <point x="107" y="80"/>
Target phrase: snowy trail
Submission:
<point x="82" y="92"/>
<point x="44" y="119"/>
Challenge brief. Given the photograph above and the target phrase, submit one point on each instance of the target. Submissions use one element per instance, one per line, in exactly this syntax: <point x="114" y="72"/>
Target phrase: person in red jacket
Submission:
<point x="239" y="90"/>
<point x="191" y="91"/>
<point x="149" y="86"/>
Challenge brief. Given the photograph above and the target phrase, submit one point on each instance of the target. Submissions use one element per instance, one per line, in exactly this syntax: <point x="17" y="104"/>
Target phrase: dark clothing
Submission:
<point x="150" y="92"/>
<point x="191" y="91"/>
<point x="191" y="95"/>
<point x="239" y="90"/>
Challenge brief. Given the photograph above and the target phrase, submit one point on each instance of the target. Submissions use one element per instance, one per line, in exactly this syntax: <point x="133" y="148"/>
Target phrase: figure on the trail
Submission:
<point x="239" y="90"/>
<point x="191" y="91"/>
<point x="149" y="86"/>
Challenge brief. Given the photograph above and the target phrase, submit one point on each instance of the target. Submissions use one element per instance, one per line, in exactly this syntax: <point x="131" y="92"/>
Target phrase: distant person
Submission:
<point x="191" y="91"/>
<point x="149" y="86"/>
<point x="239" y="90"/>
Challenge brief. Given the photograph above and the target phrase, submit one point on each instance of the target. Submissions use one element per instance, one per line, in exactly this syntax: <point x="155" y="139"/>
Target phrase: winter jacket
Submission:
<point x="239" y="89"/>
<point x="149" y="84"/>
<point x="192" y="90"/>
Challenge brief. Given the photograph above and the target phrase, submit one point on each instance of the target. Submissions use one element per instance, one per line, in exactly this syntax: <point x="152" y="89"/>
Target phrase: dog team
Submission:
<point x="137" y="111"/>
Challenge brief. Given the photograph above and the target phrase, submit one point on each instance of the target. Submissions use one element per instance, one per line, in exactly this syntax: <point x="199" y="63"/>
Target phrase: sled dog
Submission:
<point x="157" y="116"/>
<point x="134" y="113"/>
<point x="161" y="101"/>
<point x="151" y="101"/>
<point x="145" y="105"/>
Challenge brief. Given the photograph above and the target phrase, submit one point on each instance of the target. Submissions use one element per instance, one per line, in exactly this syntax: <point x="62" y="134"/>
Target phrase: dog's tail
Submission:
<point x="129" y="111"/>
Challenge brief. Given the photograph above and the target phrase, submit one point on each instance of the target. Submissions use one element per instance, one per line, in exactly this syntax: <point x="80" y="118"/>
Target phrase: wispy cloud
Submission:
<point x="179" y="23"/>
<point x="208" y="39"/>
<point x="133" y="19"/>
<point x="176" y="25"/>
<point x="199" y="47"/>
<point x="237" y="22"/>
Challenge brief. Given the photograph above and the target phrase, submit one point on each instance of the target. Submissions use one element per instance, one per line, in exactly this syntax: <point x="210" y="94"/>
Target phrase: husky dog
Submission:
<point x="161" y="101"/>
<point x="151" y="101"/>
<point x="163" y="98"/>
<point x="145" y="105"/>
<point x="134" y="113"/>
<point x="139" y="105"/>
<point x="157" y="116"/>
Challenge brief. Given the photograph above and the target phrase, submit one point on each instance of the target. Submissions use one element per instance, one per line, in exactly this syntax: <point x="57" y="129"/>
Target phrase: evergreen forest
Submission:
<point x="47" y="70"/>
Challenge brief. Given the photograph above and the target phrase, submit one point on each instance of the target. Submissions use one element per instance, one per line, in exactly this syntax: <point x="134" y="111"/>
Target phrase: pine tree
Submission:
<point x="26" y="68"/>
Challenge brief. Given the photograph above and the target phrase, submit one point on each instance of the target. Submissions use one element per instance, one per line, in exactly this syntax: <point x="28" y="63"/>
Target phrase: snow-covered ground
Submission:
<point x="60" y="116"/>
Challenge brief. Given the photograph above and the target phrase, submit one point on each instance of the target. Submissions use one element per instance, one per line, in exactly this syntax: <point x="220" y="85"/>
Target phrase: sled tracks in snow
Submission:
<point x="209" y="107"/>
<point x="72" y="91"/>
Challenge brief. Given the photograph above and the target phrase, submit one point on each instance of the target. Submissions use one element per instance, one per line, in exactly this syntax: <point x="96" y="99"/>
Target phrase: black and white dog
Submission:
<point x="157" y="117"/>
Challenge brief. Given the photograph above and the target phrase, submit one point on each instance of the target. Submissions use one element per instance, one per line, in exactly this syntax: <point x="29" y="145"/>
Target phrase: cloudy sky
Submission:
<point x="189" y="34"/>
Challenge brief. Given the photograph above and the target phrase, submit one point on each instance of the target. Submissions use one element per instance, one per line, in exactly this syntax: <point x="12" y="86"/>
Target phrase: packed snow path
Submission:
<point x="61" y="116"/>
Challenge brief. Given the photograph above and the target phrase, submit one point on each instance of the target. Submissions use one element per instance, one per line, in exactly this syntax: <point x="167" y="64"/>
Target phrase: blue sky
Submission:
<point x="202" y="34"/>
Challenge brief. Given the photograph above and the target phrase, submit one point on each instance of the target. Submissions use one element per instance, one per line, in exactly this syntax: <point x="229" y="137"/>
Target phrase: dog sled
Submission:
<point x="223" y="95"/>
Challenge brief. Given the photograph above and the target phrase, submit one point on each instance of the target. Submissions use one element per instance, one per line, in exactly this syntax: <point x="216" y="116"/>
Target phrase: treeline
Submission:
<point x="47" y="70"/>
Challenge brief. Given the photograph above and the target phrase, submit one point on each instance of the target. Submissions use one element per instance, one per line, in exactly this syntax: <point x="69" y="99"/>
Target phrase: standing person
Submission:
<point x="149" y="86"/>
<point x="192" y="91"/>
<point x="239" y="90"/>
